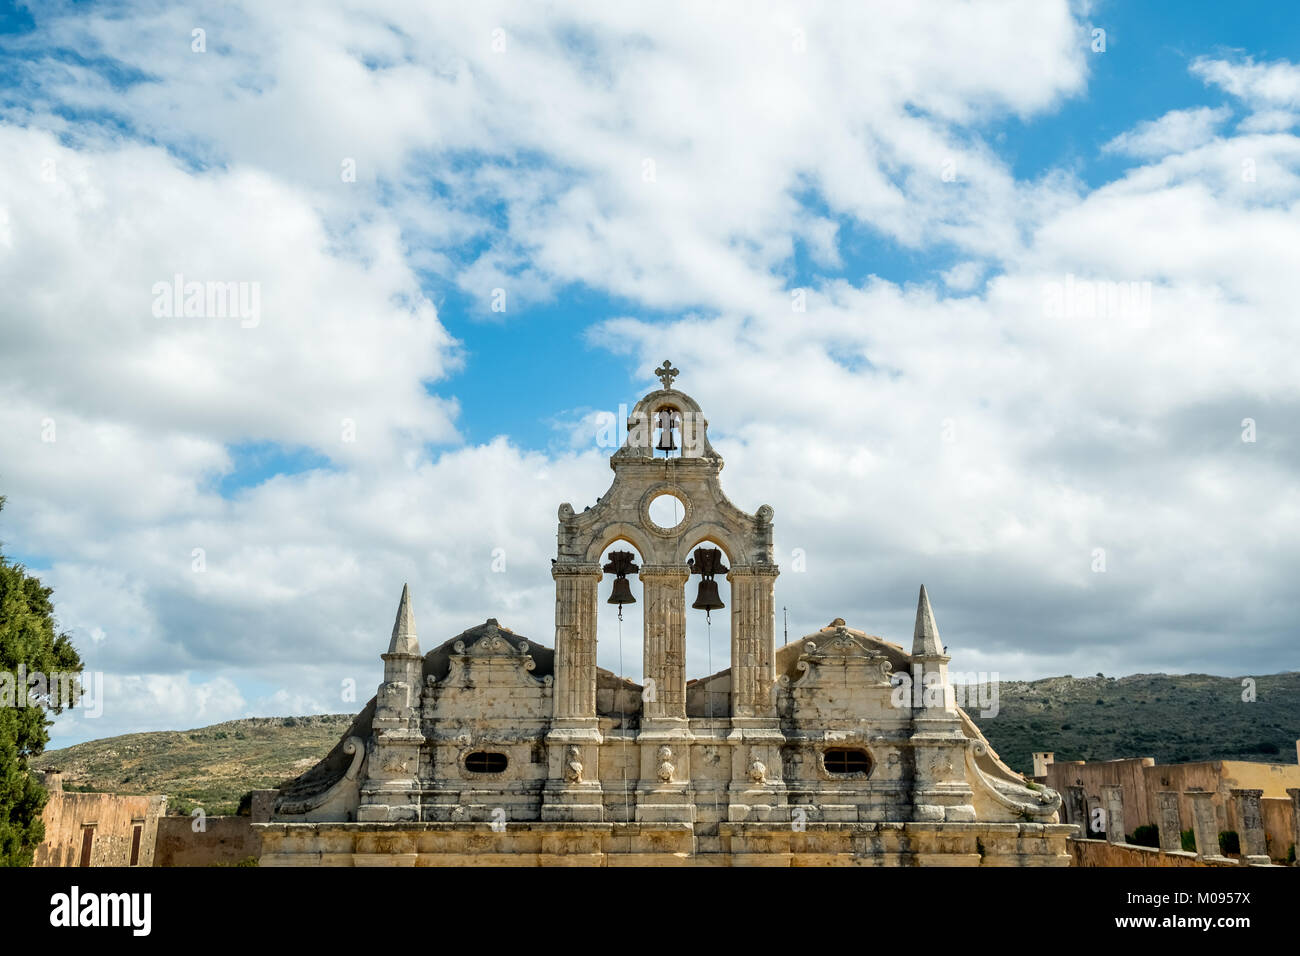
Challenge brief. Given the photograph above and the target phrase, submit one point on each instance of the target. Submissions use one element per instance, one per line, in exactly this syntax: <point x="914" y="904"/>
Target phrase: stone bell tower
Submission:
<point x="622" y="514"/>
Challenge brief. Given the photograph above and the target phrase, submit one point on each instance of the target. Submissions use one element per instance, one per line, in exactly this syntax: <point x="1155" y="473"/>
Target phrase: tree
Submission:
<point x="29" y="646"/>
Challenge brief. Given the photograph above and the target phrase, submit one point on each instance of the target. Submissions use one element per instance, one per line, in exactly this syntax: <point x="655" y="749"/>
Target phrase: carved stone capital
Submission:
<point x="576" y="569"/>
<point x="664" y="575"/>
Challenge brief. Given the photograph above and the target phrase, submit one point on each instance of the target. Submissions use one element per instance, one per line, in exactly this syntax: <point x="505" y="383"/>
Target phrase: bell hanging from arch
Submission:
<point x="707" y="597"/>
<point x="664" y="422"/>
<point x="706" y="563"/>
<point x="621" y="565"/>
<point x="622" y="593"/>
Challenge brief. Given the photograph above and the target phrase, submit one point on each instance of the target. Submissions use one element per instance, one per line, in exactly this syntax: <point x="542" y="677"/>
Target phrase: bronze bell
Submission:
<point x="622" y="593"/>
<point x="621" y="564"/>
<point x="707" y="598"/>
<point x="664" y="422"/>
<point x="706" y="563"/>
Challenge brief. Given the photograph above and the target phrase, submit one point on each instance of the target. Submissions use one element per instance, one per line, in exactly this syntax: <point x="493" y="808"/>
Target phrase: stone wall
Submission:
<point x="1101" y="853"/>
<point x="108" y="818"/>
<point x="225" y="840"/>
<point x="1278" y="827"/>
<point x="664" y="844"/>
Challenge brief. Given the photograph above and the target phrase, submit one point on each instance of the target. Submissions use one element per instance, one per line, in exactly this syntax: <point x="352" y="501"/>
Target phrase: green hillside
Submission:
<point x="211" y="766"/>
<point x="1172" y="718"/>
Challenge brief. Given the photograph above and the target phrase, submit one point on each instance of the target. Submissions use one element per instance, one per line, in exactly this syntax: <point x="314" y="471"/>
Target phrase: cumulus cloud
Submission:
<point x="1274" y="84"/>
<point x="1175" y="132"/>
<point x="1074" y="380"/>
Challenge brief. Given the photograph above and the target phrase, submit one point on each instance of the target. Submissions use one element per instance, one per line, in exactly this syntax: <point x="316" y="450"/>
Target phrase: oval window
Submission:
<point x="843" y="760"/>
<point x="485" y="761"/>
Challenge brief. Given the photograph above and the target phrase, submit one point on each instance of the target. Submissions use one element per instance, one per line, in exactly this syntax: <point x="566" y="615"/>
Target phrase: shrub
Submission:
<point x="1229" y="842"/>
<point x="1187" y="839"/>
<point x="1146" y="835"/>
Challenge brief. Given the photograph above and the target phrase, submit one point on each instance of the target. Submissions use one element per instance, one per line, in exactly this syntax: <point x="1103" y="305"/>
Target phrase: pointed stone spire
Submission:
<point x="404" y="640"/>
<point x="925" y="638"/>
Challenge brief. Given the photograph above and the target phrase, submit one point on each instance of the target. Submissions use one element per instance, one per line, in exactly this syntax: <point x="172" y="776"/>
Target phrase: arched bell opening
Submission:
<point x="619" y="643"/>
<point x="708" y="631"/>
<point x="666" y="430"/>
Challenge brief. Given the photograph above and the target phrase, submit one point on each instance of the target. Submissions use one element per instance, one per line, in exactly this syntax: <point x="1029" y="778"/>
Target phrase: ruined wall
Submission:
<point x="1131" y="775"/>
<point x="1142" y="780"/>
<point x="111" y="819"/>
<point x="226" y="840"/>
<point x="1278" y="828"/>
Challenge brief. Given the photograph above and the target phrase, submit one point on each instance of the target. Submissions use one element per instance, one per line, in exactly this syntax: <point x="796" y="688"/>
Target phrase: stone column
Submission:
<point x="753" y="624"/>
<point x="577" y="588"/>
<point x="1076" y="810"/>
<point x="1170" y="821"/>
<point x="1112" y="798"/>
<point x="1205" y="823"/>
<point x="572" y="792"/>
<point x="1250" y="822"/>
<point x="1294" y="794"/>
<point x="664" y="591"/>
<point x="664" y="792"/>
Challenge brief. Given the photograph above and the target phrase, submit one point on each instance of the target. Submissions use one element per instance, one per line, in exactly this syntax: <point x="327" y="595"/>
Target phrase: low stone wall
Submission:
<point x="225" y="840"/>
<point x="663" y="844"/>
<point x="1101" y="853"/>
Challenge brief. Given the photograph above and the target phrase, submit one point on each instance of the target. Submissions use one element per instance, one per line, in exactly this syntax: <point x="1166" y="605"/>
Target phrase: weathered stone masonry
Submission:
<point x="493" y="748"/>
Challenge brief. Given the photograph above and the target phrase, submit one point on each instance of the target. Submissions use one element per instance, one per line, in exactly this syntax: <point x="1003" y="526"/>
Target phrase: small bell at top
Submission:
<point x="664" y="421"/>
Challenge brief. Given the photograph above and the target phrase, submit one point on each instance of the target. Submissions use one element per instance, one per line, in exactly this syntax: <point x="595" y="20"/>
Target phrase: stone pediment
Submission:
<point x="489" y="649"/>
<point x="839" y="642"/>
<point x="851" y="656"/>
<point x="490" y="639"/>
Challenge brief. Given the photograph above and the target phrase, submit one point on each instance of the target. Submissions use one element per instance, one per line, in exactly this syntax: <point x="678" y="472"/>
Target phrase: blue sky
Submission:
<point x="925" y="418"/>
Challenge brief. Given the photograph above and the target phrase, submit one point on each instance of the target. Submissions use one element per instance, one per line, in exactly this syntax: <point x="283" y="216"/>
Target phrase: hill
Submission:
<point x="211" y="766"/>
<point x="1172" y="718"/>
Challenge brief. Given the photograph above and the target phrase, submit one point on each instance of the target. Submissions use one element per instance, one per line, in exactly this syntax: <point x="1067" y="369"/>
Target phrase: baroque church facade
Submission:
<point x="837" y="748"/>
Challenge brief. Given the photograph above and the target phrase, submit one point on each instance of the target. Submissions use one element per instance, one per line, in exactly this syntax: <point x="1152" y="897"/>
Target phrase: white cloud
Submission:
<point x="1112" y="431"/>
<point x="1176" y="132"/>
<point x="1259" y="84"/>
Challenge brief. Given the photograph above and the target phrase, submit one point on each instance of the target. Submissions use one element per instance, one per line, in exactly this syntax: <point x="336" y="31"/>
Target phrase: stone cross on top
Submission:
<point x="666" y="374"/>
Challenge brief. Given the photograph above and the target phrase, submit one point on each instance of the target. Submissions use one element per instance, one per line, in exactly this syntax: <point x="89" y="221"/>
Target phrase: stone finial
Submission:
<point x="925" y="637"/>
<point x="404" y="640"/>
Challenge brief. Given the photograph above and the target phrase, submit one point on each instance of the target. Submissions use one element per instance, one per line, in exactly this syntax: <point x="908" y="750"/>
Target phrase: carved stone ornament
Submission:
<point x="573" y="765"/>
<point x="666" y="768"/>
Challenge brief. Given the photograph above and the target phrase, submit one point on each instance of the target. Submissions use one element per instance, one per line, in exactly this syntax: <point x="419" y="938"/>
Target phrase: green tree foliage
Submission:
<point x="27" y="638"/>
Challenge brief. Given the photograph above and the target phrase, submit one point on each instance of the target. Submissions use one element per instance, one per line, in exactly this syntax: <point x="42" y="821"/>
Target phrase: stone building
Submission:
<point x="838" y="748"/>
<point x="97" y="829"/>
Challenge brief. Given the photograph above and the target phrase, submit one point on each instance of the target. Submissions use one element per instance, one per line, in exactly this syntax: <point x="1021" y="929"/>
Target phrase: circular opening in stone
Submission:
<point x="666" y="511"/>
